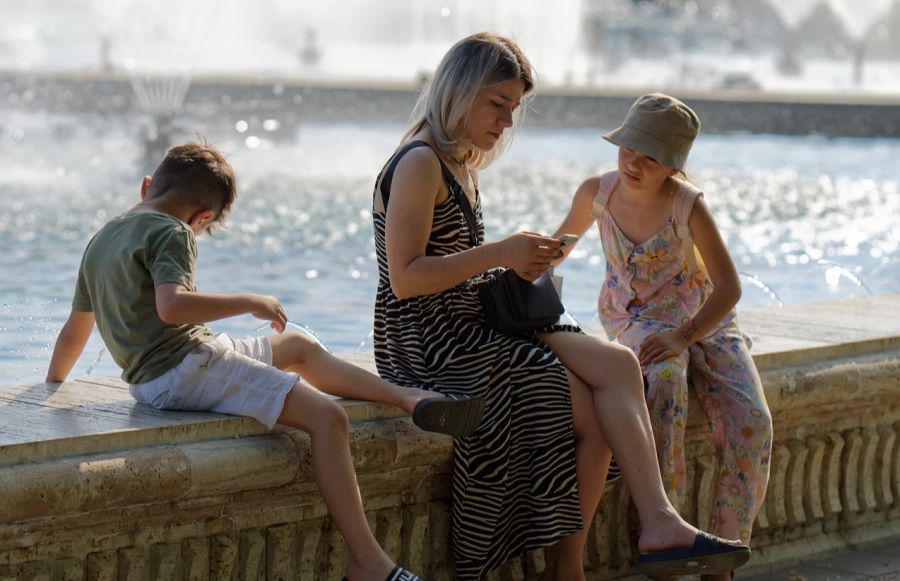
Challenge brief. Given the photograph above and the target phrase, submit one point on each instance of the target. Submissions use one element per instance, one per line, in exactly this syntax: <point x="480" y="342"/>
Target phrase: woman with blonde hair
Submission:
<point x="558" y="402"/>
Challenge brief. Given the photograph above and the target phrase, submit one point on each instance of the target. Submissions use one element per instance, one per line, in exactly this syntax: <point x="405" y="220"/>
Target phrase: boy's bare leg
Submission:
<point x="328" y="427"/>
<point x="614" y="376"/>
<point x="300" y="354"/>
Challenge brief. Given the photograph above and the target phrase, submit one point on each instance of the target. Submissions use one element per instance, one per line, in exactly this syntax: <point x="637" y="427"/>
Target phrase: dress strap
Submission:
<point x="387" y="174"/>
<point x="681" y="210"/>
<point x="456" y="192"/>
<point x="608" y="183"/>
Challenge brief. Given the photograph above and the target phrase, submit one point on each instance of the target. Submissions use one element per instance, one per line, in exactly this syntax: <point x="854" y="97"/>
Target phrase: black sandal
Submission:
<point x="454" y="415"/>
<point x="709" y="554"/>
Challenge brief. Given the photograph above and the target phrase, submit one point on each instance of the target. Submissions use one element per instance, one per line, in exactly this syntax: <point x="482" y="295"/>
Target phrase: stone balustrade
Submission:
<point x="205" y="497"/>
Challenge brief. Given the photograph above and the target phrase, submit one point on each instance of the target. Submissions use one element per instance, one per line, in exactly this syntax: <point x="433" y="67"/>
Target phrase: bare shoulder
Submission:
<point x="420" y="162"/>
<point x="589" y="187"/>
<point x="700" y="216"/>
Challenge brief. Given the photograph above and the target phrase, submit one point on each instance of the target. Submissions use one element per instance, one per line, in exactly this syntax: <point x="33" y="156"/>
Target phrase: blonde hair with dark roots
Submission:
<point x="470" y="66"/>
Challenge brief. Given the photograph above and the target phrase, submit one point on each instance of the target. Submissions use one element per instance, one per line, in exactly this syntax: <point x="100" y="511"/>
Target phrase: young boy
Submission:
<point x="137" y="282"/>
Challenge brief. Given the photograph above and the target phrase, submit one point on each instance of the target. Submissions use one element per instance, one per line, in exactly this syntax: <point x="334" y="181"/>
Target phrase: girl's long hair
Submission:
<point x="471" y="65"/>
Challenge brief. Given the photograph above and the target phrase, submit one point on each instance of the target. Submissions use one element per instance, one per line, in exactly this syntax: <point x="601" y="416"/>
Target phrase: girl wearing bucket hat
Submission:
<point x="675" y="308"/>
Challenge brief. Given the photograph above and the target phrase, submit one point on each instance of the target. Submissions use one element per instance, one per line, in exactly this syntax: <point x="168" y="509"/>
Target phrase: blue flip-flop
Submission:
<point x="455" y="415"/>
<point x="709" y="554"/>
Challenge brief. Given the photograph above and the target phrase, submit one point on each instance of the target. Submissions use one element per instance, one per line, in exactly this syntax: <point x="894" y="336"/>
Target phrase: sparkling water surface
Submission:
<point x="805" y="218"/>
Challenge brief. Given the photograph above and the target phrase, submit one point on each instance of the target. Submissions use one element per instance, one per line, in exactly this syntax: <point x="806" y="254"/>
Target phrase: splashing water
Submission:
<point x="757" y="283"/>
<point x="263" y="330"/>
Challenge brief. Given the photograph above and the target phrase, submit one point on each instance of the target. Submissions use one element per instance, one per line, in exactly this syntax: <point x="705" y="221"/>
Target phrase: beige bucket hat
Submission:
<point x="659" y="126"/>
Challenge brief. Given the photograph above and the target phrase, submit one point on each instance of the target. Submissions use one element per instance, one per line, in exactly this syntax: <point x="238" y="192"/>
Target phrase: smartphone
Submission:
<point x="566" y="239"/>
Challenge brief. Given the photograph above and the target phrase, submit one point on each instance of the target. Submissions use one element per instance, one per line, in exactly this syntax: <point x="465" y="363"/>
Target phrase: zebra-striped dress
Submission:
<point x="514" y="485"/>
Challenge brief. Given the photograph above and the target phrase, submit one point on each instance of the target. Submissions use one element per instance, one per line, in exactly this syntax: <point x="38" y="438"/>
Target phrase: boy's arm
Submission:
<point x="177" y="305"/>
<point x="69" y="345"/>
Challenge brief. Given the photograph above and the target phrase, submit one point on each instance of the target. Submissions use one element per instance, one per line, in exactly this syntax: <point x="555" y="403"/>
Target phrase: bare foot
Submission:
<point x="668" y="531"/>
<point x="361" y="572"/>
<point x="411" y="400"/>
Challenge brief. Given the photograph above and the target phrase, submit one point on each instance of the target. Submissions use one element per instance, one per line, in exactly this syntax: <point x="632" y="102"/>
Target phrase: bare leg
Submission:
<point x="592" y="456"/>
<point x="328" y="427"/>
<point x="298" y="353"/>
<point x="614" y="376"/>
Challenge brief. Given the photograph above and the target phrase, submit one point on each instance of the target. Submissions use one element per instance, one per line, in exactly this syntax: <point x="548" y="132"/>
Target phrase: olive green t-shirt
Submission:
<point x="122" y="265"/>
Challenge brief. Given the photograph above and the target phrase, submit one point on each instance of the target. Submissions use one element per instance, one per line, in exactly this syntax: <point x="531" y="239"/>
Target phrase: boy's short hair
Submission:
<point x="197" y="174"/>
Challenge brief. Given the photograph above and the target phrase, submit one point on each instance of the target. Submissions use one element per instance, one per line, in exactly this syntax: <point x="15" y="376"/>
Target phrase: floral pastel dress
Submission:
<point x="654" y="286"/>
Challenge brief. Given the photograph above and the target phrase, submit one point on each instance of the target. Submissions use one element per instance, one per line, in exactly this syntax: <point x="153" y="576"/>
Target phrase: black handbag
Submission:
<point x="515" y="306"/>
<point x="511" y="304"/>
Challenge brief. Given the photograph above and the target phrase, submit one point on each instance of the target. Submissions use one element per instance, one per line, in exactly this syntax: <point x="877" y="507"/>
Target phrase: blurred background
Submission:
<point x="760" y="44"/>
<point x="798" y="157"/>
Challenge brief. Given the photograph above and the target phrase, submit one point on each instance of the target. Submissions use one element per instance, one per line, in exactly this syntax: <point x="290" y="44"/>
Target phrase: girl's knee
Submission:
<point x="623" y="358"/>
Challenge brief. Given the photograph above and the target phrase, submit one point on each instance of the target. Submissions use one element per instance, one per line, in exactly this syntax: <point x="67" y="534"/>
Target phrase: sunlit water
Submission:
<point x="805" y="218"/>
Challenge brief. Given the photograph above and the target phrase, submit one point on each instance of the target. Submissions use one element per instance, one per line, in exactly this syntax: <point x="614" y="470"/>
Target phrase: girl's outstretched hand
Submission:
<point x="661" y="346"/>
<point x="529" y="254"/>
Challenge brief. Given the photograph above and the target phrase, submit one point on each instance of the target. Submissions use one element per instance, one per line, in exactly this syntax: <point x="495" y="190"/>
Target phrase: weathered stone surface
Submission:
<point x="248" y="508"/>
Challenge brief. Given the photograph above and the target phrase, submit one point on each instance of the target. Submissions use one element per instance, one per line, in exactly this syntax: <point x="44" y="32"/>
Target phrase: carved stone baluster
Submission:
<point x="195" y="559"/>
<point x="513" y="570"/>
<point x="280" y="552"/>
<point x="851" y="464"/>
<point x="895" y="474"/>
<point x="252" y="562"/>
<point x="35" y="571"/>
<point x="71" y="570"/>
<point x="439" y="537"/>
<point x="223" y="558"/>
<point x="868" y="474"/>
<point x="796" y="483"/>
<point x="814" y="478"/>
<point x="415" y="537"/>
<point x="102" y="566"/>
<point x="833" y="472"/>
<point x="309" y="533"/>
<point x="535" y="563"/>
<point x="165" y="561"/>
<point x="887" y="441"/>
<point x="775" y="500"/>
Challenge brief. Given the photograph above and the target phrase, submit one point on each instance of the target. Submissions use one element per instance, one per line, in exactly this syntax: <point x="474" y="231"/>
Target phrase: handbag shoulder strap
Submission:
<point x="462" y="200"/>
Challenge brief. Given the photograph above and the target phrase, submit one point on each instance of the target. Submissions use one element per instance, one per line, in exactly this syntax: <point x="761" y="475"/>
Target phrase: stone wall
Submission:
<point x="248" y="508"/>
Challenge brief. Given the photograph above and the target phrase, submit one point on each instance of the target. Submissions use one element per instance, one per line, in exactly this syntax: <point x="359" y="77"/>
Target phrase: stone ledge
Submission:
<point x="117" y="490"/>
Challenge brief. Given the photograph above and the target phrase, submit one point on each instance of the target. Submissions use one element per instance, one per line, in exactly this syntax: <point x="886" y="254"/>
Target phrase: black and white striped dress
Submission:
<point x="514" y="485"/>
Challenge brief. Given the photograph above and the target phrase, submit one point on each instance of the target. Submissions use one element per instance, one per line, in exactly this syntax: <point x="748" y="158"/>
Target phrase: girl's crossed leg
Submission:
<point x="613" y="376"/>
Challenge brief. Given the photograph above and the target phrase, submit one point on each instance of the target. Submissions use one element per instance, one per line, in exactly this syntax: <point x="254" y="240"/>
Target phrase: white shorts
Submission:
<point x="224" y="376"/>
